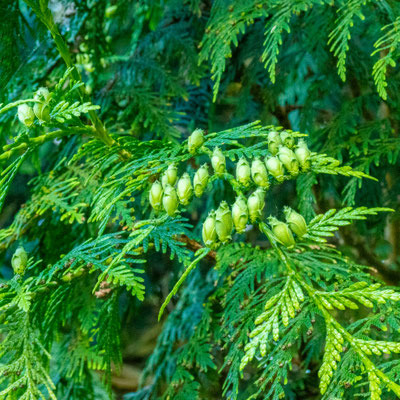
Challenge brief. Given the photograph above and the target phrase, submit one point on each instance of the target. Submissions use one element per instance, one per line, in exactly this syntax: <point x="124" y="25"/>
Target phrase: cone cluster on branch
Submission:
<point x="219" y="224"/>
<point x="40" y="110"/>
<point x="283" y="232"/>
<point x="286" y="157"/>
<point x="171" y="191"/>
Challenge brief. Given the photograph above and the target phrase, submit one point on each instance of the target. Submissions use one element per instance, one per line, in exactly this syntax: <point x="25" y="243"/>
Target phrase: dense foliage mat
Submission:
<point x="224" y="171"/>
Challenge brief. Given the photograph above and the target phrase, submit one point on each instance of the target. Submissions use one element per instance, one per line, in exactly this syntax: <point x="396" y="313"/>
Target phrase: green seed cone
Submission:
<point x="200" y="180"/>
<point x="155" y="195"/>
<point x="259" y="173"/>
<point x="184" y="189"/>
<point x="209" y="231"/>
<point x="42" y="94"/>
<point x="289" y="160"/>
<point x="274" y="141"/>
<point x="282" y="232"/>
<point x="275" y="168"/>
<point x="224" y="223"/>
<point x="26" y="115"/>
<point x="240" y="214"/>
<point x="170" y="176"/>
<point x="287" y="139"/>
<point x="42" y="111"/>
<point x="260" y="192"/>
<point x="303" y="155"/>
<point x="296" y="222"/>
<point x="196" y="140"/>
<point x="243" y="172"/>
<point x="255" y="204"/>
<point x="170" y="200"/>
<point x="19" y="261"/>
<point x="218" y="161"/>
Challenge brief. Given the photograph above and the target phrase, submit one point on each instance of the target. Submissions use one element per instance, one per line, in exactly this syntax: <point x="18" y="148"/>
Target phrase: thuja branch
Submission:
<point x="16" y="104"/>
<point x="332" y="352"/>
<point x="331" y="321"/>
<point x="31" y="143"/>
<point x="44" y="14"/>
<point x="200" y="255"/>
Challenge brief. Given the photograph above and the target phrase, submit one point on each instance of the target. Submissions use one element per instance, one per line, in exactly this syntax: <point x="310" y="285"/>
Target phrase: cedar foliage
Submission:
<point x="257" y="316"/>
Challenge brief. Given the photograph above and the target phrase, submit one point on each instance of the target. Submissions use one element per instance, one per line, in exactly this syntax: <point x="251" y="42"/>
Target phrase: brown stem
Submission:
<point x="194" y="245"/>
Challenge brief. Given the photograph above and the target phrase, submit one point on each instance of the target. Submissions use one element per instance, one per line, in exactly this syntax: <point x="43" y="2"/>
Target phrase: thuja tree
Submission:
<point x="212" y="164"/>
